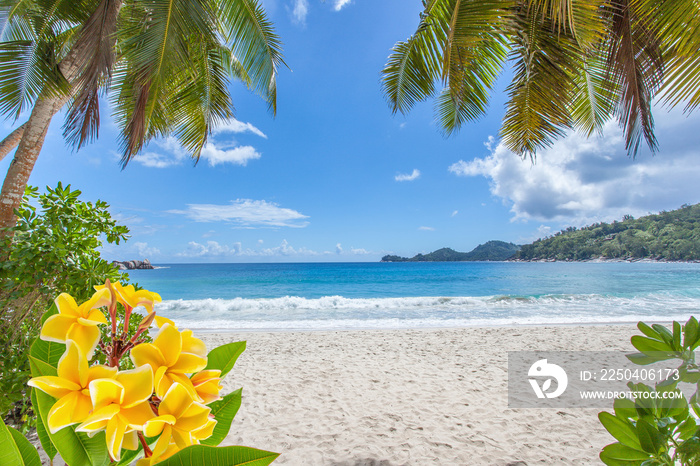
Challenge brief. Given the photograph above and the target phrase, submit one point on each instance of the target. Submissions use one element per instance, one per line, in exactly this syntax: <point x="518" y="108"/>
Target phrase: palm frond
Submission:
<point x="94" y="49"/>
<point x="594" y="97"/>
<point x="544" y="64"/>
<point x="255" y="44"/>
<point x="635" y="67"/>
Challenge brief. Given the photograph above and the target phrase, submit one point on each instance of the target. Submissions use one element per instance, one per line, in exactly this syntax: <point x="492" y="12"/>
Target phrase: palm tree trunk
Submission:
<point x="22" y="164"/>
<point x="11" y="141"/>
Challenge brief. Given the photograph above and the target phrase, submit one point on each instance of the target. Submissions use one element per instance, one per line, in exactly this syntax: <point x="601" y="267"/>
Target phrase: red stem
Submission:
<point x="146" y="451"/>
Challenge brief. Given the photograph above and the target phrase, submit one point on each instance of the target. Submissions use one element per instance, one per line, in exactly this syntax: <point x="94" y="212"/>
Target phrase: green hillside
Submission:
<point x="673" y="236"/>
<point x="489" y="251"/>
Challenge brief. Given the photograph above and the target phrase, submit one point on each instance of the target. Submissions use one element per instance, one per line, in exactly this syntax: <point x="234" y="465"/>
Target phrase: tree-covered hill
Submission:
<point x="489" y="251"/>
<point x="673" y="236"/>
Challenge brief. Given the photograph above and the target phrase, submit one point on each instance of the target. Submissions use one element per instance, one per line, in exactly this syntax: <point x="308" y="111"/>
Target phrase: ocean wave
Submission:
<point x="338" y="312"/>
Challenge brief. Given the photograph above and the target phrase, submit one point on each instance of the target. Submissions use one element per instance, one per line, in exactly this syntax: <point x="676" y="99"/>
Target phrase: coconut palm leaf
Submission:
<point x="544" y="64"/>
<point x="255" y="45"/>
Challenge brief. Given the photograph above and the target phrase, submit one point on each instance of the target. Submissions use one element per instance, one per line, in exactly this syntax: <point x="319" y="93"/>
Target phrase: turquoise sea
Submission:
<point x="326" y="296"/>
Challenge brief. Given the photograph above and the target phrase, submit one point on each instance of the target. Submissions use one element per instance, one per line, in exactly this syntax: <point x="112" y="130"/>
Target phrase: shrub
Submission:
<point x="52" y="248"/>
<point x="653" y="430"/>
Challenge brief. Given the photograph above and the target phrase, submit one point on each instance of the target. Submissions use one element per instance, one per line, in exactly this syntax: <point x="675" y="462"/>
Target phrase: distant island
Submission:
<point x="666" y="236"/>
<point x="133" y="265"/>
<point x="489" y="251"/>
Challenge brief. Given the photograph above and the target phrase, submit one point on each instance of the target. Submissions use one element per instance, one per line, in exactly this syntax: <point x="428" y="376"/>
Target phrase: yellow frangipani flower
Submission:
<point x="120" y="407"/>
<point x="181" y="421"/>
<point x="172" y="355"/>
<point x="160" y="321"/>
<point x="128" y="296"/>
<point x="207" y="385"/>
<point x="70" y="387"/>
<point x="77" y="323"/>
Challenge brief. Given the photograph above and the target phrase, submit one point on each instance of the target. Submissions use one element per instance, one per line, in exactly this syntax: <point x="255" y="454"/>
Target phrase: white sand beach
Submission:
<point x="408" y="397"/>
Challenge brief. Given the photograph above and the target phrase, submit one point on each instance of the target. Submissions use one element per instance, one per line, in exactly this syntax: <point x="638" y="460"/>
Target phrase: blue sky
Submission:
<point x="336" y="177"/>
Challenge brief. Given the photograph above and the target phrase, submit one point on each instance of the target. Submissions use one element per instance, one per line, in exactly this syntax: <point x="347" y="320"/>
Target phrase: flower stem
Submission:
<point x="146" y="451"/>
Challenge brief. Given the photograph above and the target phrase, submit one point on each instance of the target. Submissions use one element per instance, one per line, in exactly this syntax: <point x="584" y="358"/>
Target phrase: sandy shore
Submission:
<point x="408" y="397"/>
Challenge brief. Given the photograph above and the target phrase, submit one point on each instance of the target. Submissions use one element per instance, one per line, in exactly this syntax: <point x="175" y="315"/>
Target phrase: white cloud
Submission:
<point x="245" y="212"/>
<point x="340" y="4"/>
<point x="408" y="177"/>
<point x="285" y="249"/>
<point x="338" y="249"/>
<point x="212" y="249"/>
<point x="167" y="152"/>
<point x="300" y="10"/>
<point x="455" y="213"/>
<point x="426" y="228"/>
<point x="145" y="251"/>
<point x="234" y="126"/>
<point x="359" y="251"/>
<point x="580" y="180"/>
<point x="238" y="155"/>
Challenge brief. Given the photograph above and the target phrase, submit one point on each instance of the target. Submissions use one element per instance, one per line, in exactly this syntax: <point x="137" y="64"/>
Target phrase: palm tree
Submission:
<point x="164" y="64"/>
<point x="575" y="64"/>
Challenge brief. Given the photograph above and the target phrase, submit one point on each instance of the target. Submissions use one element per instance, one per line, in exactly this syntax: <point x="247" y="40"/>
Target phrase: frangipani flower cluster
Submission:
<point x="161" y="405"/>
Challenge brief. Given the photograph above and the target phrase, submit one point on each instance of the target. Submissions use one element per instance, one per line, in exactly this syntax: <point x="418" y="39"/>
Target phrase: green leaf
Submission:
<point x="687" y="428"/>
<point x="76" y="448"/>
<point x="642" y="359"/>
<point x="649" y="346"/>
<point x="30" y="456"/>
<point x="623" y="431"/>
<point x="690" y="333"/>
<point x="42" y="432"/>
<point x="648" y="331"/>
<point x="625" y="409"/>
<point x="228" y="456"/>
<point x="665" y="334"/>
<point x="47" y="351"/>
<point x="617" y="454"/>
<point x="649" y="437"/>
<point x="224" y="357"/>
<point x="40" y="368"/>
<point x="223" y="411"/>
<point x="10" y="454"/>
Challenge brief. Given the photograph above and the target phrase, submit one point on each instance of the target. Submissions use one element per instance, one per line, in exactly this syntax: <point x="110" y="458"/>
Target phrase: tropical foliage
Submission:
<point x="673" y="235"/>
<point x="164" y="64"/>
<point x="575" y="64"/>
<point x="168" y="409"/>
<point x="656" y="428"/>
<point x="54" y="247"/>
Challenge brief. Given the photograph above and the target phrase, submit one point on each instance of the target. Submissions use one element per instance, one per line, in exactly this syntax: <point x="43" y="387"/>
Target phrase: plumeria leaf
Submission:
<point x="75" y="448"/>
<point x="230" y="456"/>
<point x="223" y="411"/>
<point x="42" y="432"/>
<point x="30" y="457"/>
<point x="47" y="351"/>
<point x="224" y="357"/>
<point x="16" y="450"/>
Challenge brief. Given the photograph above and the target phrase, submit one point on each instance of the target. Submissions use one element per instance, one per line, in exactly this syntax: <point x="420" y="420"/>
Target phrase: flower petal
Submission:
<point x="176" y="401"/>
<point x="169" y="342"/>
<point x="195" y="418"/>
<point x="101" y="372"/>
<point x="188" y="363"/>
<point x="206" y="431"/>
<point x="57" y="387"/>
<point x="137" y="415"/>
<point x="98" y="419"/>
<point x="160" y="321"/>
<point x="131" y="441"/>
<point x="147" y="353"/>
<point x="104" y="392"/>
<point x="60" y="414"/>
<point x="155" y="426"/>
<point x="66" y="305"/>
<point x="73" y="365"/>
<point x="56" y="328"/>
<point x="86" y="337"/>
<point x="96" y="316"/>
<point x="191" y="344"/>
<point x="115" y="430"/>
<point x="101" y="298"/>
<point x="163" y="442"/>
<point x="138" y="385"/>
